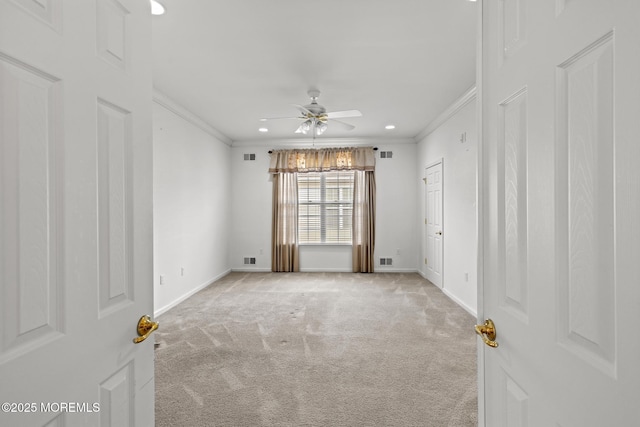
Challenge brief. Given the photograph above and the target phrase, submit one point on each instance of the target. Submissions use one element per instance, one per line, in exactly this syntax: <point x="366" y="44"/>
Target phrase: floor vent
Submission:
<point x="249" y="261"/>
<point x="250" y="156"/>
<point x="386" y="154"/>
<point x="386" y="261"/>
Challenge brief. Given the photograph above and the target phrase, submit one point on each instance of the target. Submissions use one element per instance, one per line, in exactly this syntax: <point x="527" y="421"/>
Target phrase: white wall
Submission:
<point x="459" y="202"/>
<point x="396" y="207"/>
<point x="191" y="180"/>
<point x="395" y="215"/>
<point x="250" y="225"/>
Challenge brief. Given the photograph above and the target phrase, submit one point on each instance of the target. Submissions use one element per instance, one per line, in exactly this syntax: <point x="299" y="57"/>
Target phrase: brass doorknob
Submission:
<point x="488" y="333"/>
<point x="145" y="327"/>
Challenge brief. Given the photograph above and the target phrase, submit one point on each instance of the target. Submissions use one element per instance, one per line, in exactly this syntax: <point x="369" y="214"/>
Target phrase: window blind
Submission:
<point x="325" y="207"/>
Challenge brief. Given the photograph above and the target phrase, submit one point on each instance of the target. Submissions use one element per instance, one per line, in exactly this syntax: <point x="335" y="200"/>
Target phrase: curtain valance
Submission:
<point x="322" y="160"/>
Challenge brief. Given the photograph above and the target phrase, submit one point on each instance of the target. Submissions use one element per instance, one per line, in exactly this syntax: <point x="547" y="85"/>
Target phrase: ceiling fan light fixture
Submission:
<point x="156" y="8"/>
<point x="305" y="127"/>
<point x="320" y="128"/>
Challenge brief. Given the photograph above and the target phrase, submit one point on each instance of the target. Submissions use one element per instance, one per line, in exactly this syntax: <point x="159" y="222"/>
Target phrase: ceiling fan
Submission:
<point x="315" y="116"/>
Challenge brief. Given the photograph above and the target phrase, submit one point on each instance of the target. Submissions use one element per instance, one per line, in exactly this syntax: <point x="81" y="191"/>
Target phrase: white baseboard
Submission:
<point x="454" y="298"/>
<point x="327" y="270"/>
<point x="348" y="270"/>
<point x="192" y="292"/>
<point x="424" y="276"/>
<point x="395" y="270"/>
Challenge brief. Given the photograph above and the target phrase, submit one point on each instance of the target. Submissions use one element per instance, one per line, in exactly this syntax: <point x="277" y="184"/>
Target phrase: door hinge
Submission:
<point x="425" y="220"/>
<point x="425" y="261"/>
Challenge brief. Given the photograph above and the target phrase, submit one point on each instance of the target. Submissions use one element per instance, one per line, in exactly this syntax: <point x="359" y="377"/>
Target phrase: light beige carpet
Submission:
<point x="316" y="349"/>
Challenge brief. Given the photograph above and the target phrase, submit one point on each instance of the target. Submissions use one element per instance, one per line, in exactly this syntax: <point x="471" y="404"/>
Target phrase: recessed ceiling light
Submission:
<point x="389" y="127"/>
<point x="156" y="8"/>
<point x="263" y="130"/>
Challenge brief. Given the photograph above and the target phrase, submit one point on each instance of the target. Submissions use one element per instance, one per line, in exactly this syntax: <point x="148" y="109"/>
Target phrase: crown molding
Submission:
<point x="171" y="105"/>
<point x="321" y="142"/>
<point x="466" y="98"/>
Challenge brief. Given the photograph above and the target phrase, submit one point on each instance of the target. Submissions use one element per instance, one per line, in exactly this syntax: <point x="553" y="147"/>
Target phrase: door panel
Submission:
<point x="75" y="212"/>
<point x="30" y="215"/>
<point x="559" y="91"/>
<point x="585" y="204"/>
<point x="512" y="146"/>
<point x="114" y="207"/>
<point x="516" y="403"/>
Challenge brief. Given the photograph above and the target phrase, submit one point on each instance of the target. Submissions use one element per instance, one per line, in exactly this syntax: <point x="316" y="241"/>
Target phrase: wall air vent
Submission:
<point x="249" y="261"/>
<point x="251" y="156"/>
<point x="386" y="261"/>
<point x="386" y="154"/>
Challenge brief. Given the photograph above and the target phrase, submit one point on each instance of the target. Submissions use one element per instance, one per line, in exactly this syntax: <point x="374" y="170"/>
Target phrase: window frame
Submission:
<point x="323" y="204"/>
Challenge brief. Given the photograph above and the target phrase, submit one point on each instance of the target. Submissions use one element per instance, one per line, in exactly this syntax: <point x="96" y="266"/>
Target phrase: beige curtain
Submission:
<point x="285" y="164"/>
<point x="284" y="230"/>
<point x="364" y="219"/>
<point x="322" y="160"/>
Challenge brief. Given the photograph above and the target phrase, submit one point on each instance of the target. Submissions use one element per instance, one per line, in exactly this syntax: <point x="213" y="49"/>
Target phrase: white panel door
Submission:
<point x="75" y="212"/>
<point x="560" y="95"/>
<point x="433" y="224"/>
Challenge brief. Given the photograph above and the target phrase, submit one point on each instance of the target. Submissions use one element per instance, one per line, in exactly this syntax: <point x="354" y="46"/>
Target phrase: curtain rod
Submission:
<point x="374" y="149"/>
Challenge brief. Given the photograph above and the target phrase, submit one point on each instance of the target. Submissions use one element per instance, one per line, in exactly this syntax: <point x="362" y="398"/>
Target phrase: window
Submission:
<point x="325" y="206"/>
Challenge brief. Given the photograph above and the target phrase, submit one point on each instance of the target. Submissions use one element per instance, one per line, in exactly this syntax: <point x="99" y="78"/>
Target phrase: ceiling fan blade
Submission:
<point x="264" y="119"/>
<point x="304" y="111"/>
<point x="347" y="126"/>
<point x="343" y="114"/>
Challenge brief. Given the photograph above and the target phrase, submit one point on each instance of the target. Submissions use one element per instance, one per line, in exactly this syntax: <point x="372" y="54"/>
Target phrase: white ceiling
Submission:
<point x="232" y="62"/>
